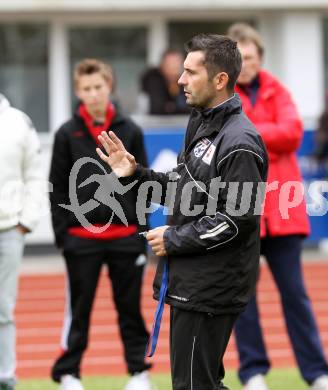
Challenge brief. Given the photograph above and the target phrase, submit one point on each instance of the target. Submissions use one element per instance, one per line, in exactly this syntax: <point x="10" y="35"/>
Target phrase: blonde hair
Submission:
<point x="90" y="66"/>
<point x="244" y="33"/>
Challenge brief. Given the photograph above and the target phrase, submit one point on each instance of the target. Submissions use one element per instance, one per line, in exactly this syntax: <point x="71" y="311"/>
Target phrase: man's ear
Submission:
<point x="221" y="81"/>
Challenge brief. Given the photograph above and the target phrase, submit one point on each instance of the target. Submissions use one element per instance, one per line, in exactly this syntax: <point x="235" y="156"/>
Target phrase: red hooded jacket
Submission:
<point x="277" y="120"/>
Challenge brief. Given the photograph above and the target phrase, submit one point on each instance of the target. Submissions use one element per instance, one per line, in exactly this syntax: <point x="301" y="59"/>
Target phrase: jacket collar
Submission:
<point x="118" y="118"/>
<point x="224" y="108"/>
<point x="203" y="123"/>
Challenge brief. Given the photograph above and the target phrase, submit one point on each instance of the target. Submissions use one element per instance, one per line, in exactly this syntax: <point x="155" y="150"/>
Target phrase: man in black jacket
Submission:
<point x="210" y="251"/>
<point x="93" y="228"/>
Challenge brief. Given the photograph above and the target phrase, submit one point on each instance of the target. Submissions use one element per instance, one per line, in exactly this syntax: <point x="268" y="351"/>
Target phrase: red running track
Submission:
<point x="40" y="308"/>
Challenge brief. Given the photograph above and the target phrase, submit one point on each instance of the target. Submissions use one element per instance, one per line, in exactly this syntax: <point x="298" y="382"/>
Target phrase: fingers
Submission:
<point x="107" y="143"/>
<point x="151" y="235"/>
<point x="111" y="142"/>
<point x="118" y="143"/>
<point x="155" y="240"/>
<point x="158" y="249"/>
<point x="130" y="157"/>
<point x="102" y="155"/>
<point x="154" y="236"/>
<point x="160" y="253"/>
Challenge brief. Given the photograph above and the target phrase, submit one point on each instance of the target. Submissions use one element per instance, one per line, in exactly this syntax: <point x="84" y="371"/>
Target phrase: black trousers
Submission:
<point x="83" y="275"/>
<point x="197" y="344"/>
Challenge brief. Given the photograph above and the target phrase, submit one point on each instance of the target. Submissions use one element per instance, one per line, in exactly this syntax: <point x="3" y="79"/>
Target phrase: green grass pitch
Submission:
<point x="281" y="379"/>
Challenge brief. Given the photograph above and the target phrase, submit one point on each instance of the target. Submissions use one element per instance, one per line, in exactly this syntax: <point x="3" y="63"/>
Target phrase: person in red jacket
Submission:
<point x="284" y="223"/>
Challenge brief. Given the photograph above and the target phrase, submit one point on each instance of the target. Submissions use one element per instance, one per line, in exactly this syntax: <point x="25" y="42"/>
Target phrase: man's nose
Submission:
<point x="181" y="80"/>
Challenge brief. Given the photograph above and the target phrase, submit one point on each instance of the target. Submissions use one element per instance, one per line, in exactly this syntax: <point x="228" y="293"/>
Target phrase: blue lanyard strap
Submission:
<point x="152" y="342"/>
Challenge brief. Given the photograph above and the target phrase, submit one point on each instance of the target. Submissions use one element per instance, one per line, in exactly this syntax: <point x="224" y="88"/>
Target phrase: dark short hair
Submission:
<point x="220" y="55"/>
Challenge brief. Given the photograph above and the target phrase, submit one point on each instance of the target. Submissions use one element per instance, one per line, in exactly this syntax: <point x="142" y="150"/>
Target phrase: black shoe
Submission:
<point x="222" y="387"/>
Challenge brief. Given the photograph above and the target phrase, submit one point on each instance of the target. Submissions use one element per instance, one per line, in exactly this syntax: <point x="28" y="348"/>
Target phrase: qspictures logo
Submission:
<point x="109" y="185"/>
<point x="240" y="198"/>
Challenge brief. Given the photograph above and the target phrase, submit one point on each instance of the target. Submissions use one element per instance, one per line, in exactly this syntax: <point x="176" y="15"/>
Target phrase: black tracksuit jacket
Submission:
<point x="213" y="259"/>
<point x="72" y="142"/>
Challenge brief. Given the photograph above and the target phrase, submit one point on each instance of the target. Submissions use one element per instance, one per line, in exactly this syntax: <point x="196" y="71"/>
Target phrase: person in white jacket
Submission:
<point x="20" y="176"/>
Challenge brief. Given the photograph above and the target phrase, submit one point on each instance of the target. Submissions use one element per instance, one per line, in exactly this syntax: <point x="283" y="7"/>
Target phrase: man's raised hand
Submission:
<point x="118" y="158"/>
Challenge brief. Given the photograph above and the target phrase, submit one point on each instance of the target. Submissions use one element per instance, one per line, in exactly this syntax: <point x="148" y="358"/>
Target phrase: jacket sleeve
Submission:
<point x="234" y="216"/>
<point x="160" y="181"/>
<point x="34" y="183"/>
<point x="59" y="178"/>
<point x="284" y="134"/>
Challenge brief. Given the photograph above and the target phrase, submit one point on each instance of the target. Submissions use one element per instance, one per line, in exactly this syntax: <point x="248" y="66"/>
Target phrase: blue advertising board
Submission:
<point x="312" y="173"/>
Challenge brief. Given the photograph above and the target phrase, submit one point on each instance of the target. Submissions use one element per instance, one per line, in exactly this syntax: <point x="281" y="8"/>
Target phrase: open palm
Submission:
<point x="118" y="158"/>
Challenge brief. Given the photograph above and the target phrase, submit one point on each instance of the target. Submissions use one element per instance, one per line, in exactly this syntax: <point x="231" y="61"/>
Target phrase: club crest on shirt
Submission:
<point x="207" y="158"/>
<point x="201" y="146"/>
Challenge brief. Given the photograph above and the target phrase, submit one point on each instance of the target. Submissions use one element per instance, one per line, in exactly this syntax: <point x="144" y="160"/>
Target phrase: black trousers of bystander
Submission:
<point x="125" y="274"/>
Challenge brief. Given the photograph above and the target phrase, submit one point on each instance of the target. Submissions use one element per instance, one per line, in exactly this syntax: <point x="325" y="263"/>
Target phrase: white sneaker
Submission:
<point x="320" y="383"/>
<point x="69" y="382"/>
<point x="139" y="381"/>
<point x="256" y="382"/>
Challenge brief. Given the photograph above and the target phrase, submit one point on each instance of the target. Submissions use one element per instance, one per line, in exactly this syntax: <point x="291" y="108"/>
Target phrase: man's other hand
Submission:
<point x="155" y="238"/>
